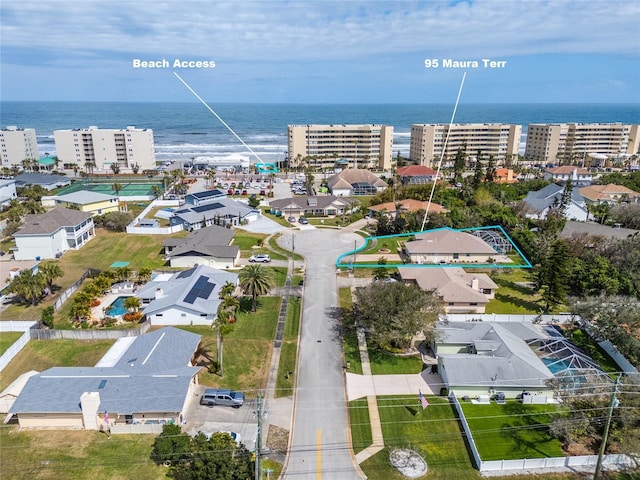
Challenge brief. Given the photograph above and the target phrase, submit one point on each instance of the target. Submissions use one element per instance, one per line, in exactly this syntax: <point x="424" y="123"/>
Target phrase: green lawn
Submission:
<point x="512" y="296"/>
<point x="7" y="339"/>
<point x="289" y="350"/>
<point x="43" y="354"/>
<point x="512" y="430"/>
<point x="349" y="339"/>
<point x="76" y="455"/>
<point x="582" y="339"/>
<point x="142" y="251"/>
<point x="433" y="431"/>
<point x="279" y="251"/>
<point x="384" y="363"/>
<point x="360" y="428"/>
<point x="247" y="349"/>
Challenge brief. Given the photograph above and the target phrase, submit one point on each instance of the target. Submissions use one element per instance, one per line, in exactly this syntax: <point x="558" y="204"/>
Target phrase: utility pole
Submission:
<point x="258" y="474"/>
<point x="613" y="404"/>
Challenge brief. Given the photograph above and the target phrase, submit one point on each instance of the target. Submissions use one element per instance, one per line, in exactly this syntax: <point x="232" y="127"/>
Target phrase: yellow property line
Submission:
<point x="319" y="455"/>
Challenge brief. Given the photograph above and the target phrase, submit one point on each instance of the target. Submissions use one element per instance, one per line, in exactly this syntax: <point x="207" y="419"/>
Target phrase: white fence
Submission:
<point x="514" y="318"/>
<point x="581" y="463"/>
<point x="14" y="349"/>
<point x="123" y="429"/>
<point x="131" y="228"/>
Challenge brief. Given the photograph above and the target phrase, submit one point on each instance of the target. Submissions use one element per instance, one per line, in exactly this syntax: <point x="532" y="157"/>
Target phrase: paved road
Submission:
<point x="320" y="446"/>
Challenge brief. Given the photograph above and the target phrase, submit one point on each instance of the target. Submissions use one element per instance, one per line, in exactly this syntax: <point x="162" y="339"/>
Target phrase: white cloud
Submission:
<point x="325" y="30"/>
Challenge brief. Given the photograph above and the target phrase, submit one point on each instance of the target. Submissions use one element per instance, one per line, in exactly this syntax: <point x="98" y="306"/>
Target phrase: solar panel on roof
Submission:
<point x="201" y="289"/>
<point x="207" y="207"/>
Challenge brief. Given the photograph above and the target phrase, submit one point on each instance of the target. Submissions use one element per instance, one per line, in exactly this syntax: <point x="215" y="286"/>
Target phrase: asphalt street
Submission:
<point x="320" y="441"/>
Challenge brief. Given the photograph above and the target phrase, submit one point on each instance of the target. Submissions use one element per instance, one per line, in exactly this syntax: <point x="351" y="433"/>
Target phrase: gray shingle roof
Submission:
<point x="452" y="284"/>
<point x="221" y="207"/>
<point x="52" y="221"/>
<point x="303" y="202"/>
<point x="210" y="241"/>
<point x="447" y="241"/>
<point x="505" y="359"/>
<point x="179" y="285"/>
<point x="153" y="375"/>
<point x="84" y="197"/>
<point x="595" y="229"/>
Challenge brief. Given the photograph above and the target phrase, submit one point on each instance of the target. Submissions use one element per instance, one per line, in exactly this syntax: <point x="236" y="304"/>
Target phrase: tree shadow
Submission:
<point x="342" y="321"/>
<point x="518" y="302"/>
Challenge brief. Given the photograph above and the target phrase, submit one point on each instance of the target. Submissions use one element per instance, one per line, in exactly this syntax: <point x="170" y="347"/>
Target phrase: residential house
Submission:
<point x="505" y="175"/>
<point x="84" y="200"/>
<point x="483" y="358"/>
<point x="353" y="182"/>
<point x="209" y="246"/>
<point x="445" y="245"/>
<point x="147" y="384"/>
<point x="538" y="203"/>
<point x="7" y="191"/>
<point x="579" y="176"/>
<point x="589" y="229"/>
<point x="189" y="297"/>
<point x="392" y="209"/>
<point x="50" y="234"/>
<point x="45" y="180"/>
<point x="324" y="205"/>
<point x="221" y="211"/>
<point x="461" y="292"/>
<point x="416" y="175"/>
<point x="200" y="198"/>
<point x="610" y="193"/>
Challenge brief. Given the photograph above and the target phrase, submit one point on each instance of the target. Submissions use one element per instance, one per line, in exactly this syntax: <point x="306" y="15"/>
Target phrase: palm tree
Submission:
<point x="116" y="187"/>
<point x="144" y="275"/>
<point x="255" y="280"/>
<point x="224" y="322"/>
<point x="28" y="285"/>
<point x="49" y="272"/>
<point x="132" y="304"/>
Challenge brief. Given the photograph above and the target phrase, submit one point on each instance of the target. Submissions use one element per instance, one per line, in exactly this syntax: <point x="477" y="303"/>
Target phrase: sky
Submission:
<point x="556" y="51"/>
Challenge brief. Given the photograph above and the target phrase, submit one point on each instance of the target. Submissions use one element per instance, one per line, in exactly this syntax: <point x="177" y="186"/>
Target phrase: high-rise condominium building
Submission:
<point x="573" y="142"/>
<point x="16" y="145"/>
<point x="96" y="149"/>
<point x="359" y="146"/>
<point x="492" y="139"/>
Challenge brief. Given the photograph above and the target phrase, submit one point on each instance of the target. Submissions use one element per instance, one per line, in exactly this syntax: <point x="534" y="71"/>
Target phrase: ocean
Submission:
<point x="186" y="130"/>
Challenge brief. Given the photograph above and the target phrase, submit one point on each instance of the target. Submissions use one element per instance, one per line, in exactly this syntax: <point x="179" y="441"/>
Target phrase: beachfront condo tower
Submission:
<point x="583" y="144"/>
<point x="342" y="146"/>
<point x="18" y="145"/>
<point x="94" y="149"/>
<point x="429" y="141"/>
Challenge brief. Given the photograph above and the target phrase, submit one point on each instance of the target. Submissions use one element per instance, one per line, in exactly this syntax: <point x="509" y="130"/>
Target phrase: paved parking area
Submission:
<point x="243" y="420"/>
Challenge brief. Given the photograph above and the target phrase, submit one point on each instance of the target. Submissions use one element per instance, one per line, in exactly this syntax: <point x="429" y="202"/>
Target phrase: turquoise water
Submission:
<point x="116" y="309"/>
<point x="558" y="366"/>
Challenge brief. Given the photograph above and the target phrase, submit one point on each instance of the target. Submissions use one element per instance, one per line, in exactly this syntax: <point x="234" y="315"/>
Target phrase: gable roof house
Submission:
<point x="209" y="246"/>
<point x="219" y="211"/>
<point x="610" y="193"/>
<point x="391" y="209"/>
<point x="445" y="245"/>
<point x="324" y="205"/>
<point x="539" y="203"/>
<point x="47" y="181"/>
<point x="482" y="358"/>
<point x="416" y="174"/>
<point x="189" y="297"/>
<point x="354" y="181"/>
<point x="144" y="386"/>
<point x="579" y="176"/>
<point x="50" y="234"/>
<point x="461" y="292"/>
<point x="95" y="203"/>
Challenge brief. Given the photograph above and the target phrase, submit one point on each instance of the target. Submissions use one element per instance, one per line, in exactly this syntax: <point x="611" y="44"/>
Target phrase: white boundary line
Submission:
<point x="446" y="141"/>
<point x="218" y="117"/>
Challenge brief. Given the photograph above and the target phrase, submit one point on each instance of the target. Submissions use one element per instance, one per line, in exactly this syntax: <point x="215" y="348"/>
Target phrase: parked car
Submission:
<point x="292" y="219"/>
<point x="229" y="192"/>
<point x="303" y="220"/>
<point x="244" y="192"/>
<point x="260" y="258"/>
<point x="228" y="398"/>
<point x="263" y="192"/>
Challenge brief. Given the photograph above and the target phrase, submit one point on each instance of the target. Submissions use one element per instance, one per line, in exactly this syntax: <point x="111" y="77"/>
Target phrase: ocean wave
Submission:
<point x="402" y="134"/>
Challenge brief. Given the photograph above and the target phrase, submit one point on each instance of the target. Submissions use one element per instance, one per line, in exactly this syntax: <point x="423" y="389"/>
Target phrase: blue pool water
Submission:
<point x="116" y="309"/>
<point x="557" y="366"/>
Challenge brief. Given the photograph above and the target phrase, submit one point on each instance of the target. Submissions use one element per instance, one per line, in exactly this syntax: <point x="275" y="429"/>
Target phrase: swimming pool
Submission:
<point x="117" y="309"/>
<point x="556" y="365"/>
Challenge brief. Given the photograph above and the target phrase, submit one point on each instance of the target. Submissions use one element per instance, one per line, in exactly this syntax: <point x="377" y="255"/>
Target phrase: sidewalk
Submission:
<point x="370" y="386"/>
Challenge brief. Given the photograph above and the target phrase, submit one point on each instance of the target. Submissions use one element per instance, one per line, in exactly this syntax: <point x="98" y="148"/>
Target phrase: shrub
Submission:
<point x="132" y="316"/>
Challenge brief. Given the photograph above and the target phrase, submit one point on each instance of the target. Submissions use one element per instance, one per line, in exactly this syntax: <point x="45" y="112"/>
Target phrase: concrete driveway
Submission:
<point x="359" y="386"/>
